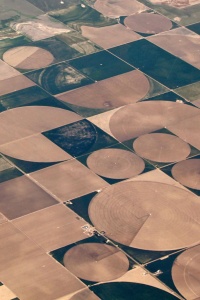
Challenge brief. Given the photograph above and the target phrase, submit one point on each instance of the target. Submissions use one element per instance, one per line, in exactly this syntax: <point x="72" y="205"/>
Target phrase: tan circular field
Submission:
<point x="161" y="147"/>
<point x="115" y="163"/>
<point x="188" y="173"/>
<point x="148" y="23"/>
<point x="28" y="57"/>
<point x="186" y="273"/>
<point x="96" y="262"/>
<point x="147" y="215"/>
<point x="136" y="119"/>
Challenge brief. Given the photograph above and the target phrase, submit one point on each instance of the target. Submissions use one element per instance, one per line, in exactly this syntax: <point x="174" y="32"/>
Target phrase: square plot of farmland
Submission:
<point x="28" y="271"/>
<point x="100" y="65"/>
<point x="15" y="83"/>
<point x="158" y="63"/>
<point x="68" y="180"/>
<point x="40" y="277"/>
<point x="53" y="227"/>
<point x="20" y="247"/>
<point x="110" y="36"/>
<point x="20" y="196"/>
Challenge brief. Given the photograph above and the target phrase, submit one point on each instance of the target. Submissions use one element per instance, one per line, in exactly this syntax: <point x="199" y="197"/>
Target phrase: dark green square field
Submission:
<point x="100" y="65"/>
<point x="158" y="63"/>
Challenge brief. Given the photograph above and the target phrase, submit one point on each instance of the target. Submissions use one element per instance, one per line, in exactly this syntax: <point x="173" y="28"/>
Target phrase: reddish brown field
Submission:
<point x="72" y="180"/>
<point x="52" y="228"/>
<point x="21" y="196"/>
<point x="29" y="272"/>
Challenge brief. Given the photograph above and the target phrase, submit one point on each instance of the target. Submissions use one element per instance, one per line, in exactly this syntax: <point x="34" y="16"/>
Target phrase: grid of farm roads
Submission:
<point x="100" y="149"/>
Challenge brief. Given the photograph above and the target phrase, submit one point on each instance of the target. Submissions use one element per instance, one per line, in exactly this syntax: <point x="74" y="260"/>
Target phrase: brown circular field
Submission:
<point x="186" y="273"/>
<point x="28" y="57"/>
<point x="148" y="23"/>
<point x="115" y="163"/>
<point x="136" y="119"/>
<point x="147" y="215"/>
<point x="188" y="173"/>
<point x="161" y="147"/>
<point x="96" y="262"/>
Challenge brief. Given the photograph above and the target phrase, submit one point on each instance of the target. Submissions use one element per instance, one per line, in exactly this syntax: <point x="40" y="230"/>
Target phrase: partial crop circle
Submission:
<point x="187" y="172"/>
<point x="28" y="57"/>
<point x="186" y="273"/>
